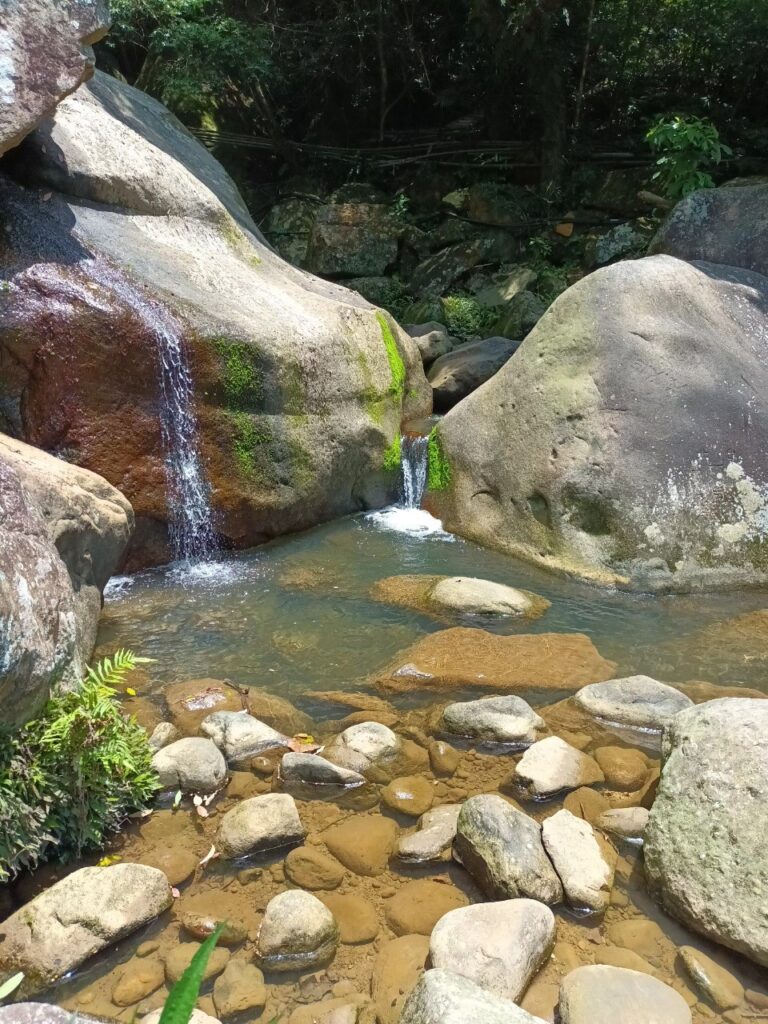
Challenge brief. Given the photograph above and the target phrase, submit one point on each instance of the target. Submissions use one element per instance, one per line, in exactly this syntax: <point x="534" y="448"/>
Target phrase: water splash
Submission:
<point x="413" y="469"/>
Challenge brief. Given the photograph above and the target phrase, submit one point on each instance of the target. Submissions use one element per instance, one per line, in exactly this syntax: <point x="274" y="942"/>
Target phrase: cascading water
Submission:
<point x="413" y="469"/>
<point x="191" y="531"/>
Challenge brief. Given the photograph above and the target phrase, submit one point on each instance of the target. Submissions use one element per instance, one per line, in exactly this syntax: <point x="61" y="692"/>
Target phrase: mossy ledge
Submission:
<point x="241" y="376"/>
<point x="396" y="364"/>
<point x="439" y="471"/>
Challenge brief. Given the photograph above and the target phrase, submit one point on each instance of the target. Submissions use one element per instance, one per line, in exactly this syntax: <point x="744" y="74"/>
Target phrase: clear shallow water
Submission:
<point x="295" y="615"/>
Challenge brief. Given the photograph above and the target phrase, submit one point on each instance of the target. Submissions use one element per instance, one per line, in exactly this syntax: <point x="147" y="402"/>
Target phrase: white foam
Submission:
<point x="416" y="522"/>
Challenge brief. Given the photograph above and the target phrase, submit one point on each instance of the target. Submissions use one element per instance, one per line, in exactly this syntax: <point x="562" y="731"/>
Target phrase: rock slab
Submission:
<point x="584" y="863"/>
<point x="637" y="701"/>
<point x="442" y="997"/>
<point x="615" y="995"/>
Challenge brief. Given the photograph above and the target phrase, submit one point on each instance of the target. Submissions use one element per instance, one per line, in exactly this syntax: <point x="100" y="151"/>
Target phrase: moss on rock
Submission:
<point x="438" y="467"/>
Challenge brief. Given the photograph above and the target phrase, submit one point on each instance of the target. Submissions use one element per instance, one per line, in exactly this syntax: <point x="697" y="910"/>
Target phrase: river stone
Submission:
<point x="78" y="917"/>
<point x="410" y="794"/>
<point x="456" y="374"/>
<point x="240" y="736"/>
<point x="443" y="758"/>
<point x="298" y="932"/>
<point x="177" y="864"/>
<point x="355" y="917"/>
<point x="364" y="747"/>
<point x="625" y="822"/>
<point x="416" y="908"/>
<point x="471" y="596"/>
<point x="310" y="868"/>
<point x="613" y="995"/>
<point x="201" y="926"/>
<point x="718" y="986"/>
<point x="442" y="997"/>
<point x="501" y="848"/>
<point x="316" y="771"/>
<point x="260" y="823"/>
<point x="706" y="857"/>
<point x="584" y="863"/>
<point x="554" y="766"/>
<point x="193" y="700"/>
<point x="637" y="701"/>
<point x="624" y="769"/>
<point x="499" y="946"/>
<point x="239" y="989"/>
<point x="499" y="719"/>
<point x="163" y="735"/>
<point x="437" y="829"/>
<point x="397" y="968"/>
<point x="140" y="979"/>
<point x="178" y="959"/>
<point x="193" y="764"/>
<point x="362" y="844"/>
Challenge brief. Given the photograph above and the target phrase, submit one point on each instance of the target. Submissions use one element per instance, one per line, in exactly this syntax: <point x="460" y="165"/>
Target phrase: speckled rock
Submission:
<point x="261" y="823"/>
<point x="613" y="995"/>
<point x="240" y="736"/>
<point x="584" y="863"/>
<point x="637" y="701"/>
<point x="499" y="719"/>
<point x="432" y="841"/>
<point x="298" y="932"/>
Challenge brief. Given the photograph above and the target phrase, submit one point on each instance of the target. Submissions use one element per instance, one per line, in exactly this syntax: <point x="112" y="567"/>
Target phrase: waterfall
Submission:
<point x="188" y="492"/>
<point x="413" y="469"/>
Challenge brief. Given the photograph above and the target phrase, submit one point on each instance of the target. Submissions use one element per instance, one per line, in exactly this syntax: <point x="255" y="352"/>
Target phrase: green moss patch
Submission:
<point x="439" y="471"/>
<point x="241" y="375"/>
<point x="392" y="456"/>
<point x="250" y="444"/>
<point x="396" y="364"/>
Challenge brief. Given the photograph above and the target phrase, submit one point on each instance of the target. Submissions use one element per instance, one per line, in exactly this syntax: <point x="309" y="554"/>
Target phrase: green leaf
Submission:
<point x="183" y="996"/>
<point x="11" y="985"/>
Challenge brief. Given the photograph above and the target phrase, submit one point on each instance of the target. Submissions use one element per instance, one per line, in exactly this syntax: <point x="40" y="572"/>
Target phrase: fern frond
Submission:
<point x="110" y="672"/>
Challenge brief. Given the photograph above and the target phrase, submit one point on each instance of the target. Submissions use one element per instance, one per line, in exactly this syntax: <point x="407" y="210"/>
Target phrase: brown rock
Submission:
<point x="200" y="926"/>
<point x="276" y="712"/>
<point x="624" y="769"/>
<point x="397" y="968"/>
<point x="615" y="956"/>
<point x="352" y="699"/>
<point x="309" y="868"/>
<point x="461" y="658"/>
<point x="641" y="936"/>
<point x="137" y="981"/>
<point x="339" y="1010"/>
<point x="411" y="794"/>
<point x="362" y="844"/>
<point x="443" y="758"/>
<point x="244" y="784"/>
<point x="586" y="803"/>
<point x="238" y="989"/>
<point x="177" y="865"/>
<point x="718" y="986"/>
<point x="541" y="999"/>
<point x="418" y="906"/>
<point x="355" y="917"/>
<point x="193" y="700"/>
<point x="180" y="957"/>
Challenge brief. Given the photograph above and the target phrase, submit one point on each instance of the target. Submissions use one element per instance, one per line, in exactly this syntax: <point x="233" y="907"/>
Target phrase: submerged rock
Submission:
<point x="416" y="908"/>
<point x="193" y="765"/>
<point x="437" y="829"/>
<point x="411" y="795"/>
<point x="706" y="857"/>
<point x="499" y="719"/>
<point x="362" y="844"/>
<point x="193" y="700"/>
<point x="78" y="917"/>
<point x="261" y="823"/>
<point x="239" y="989"/>
<point x="240" y="736"/>
<point x="398" y="966"/>
<point x="625" y="822"/>
<point x="624" y="769"/>
<point x="584" y="864"/>
<point x="448" y="597"/>
<point x="718" y="986"/>
<point x="310" y="769"/>
<point x="298" y="932"/>
<point x="355" y="917"/>
<point x="613" y="995"/>
<point x="178" y="959"/>
<point x="363" y="746"/>
<point x="553" y="766"/>
<point x="309" y="868"/>
<point x="637" y="701"/>
<point x="442" y="997"/>
<point x="499" y="946"/>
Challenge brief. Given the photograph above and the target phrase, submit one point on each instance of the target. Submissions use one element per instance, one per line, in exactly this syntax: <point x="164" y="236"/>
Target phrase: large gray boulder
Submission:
<point x="62" y="532"/>
<point x="706" y="856"/>
<point x="721" y="225"/>
<point x="624" y="441"/>
<point x="300" y="385"/>
<point x="442" y="997"/>
<point x="46" y="47"/>
<point x="456" y="374"/>
<point x="78" y="917"/>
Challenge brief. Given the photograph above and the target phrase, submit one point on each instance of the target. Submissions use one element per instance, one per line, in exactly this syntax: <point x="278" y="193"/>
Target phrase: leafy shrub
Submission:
<point x="686" y="148"/>
<point x="71" y="776"/>
<point x="464" y="316"/>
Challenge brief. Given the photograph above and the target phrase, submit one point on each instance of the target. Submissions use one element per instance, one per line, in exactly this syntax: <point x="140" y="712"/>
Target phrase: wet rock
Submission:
<point x="396" y="970"/>
<point x="316" y="771"/>
<point x="163" y="735"/>
<point x="637" y="701"/>
<point x="362" y="747"/>
<point x="239" y="736"/>
<point x="416" y="908"/>
<point x="355" y="917"/>
<point x="706" y="857"/>
<point x="554" y="766"/>
<point x="615" y="956"/>
<point x="260" y="823"/>
<point x="200" y="926"/>
<point x="642" y="936"/>
<point x="437" y="829"/>
<point x="623" y="769"/>
<point x="137" y="981"/>
<point x="239" y="989"/>
<point x="584" y="863"/>
<point x="611" y="995"/>
<point x="352" y="240"/>
<point x="501" y="848"/>
<point x="457" y="374"/>
<point x="194" y="765"/>
<point x="78" y="917"/>
<point x="192" y="700"/>
<point x="342" y="1010"/>
<point x="499" y="946"/>
<point x="411" y="795"/>
<point x="442" y="997"/>
<point x="41" y="1013"/>
<point x="462" y="658"/>
<point x="298" y="932"/>
<point x="718" y="986"/>
<point x="176" y="864"/>
<point x="362" y="844"/>
<point x="499" y="719"/>
<point x="178" y="959"/>
<point x="309" y="868"/>
<point x="625" y="822"/>
<point x="443" y="758"/>
<point x="470" y="596"/>
<point x="277" y="712"/>
<point x="586" y="803"/>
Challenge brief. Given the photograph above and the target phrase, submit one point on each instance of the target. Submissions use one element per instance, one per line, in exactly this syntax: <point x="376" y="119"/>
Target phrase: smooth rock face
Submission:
<point x="501" y="848"/>
<point x="77" y="918"/>
<point x="260" y="823"/>
<point x="706" y="856"/>
<point x="301" y="363"/>
<point x="240" y="736"/>
<point x="298" y="932"/>
<point x="412" y="795"/>
<point x="456" y="374"/>
<point x="44" y="1013"/>
<point x="362" y="844"/>
<point x="396" y="970"/>
<point x="625" y="822"/>
<point x="309" y="868"/>
<point x="316" y="771"/>
<point x="416" y="908"/>
<point x="599" y="472"/>
<point x="584" y="864"/>
<point x="192" y="764"/>
<point x="499" y="946"/>
<point x="637" y="701"/>
<point x="362" y="746"/>
<point x="46" y="55"/>
<point x="613" y="995"/>
<point x="442" y="997"/>
<point x="499" y="719"/>
<point x="437" y="829"/>
<point x="554" y="766"/>
<point x="62" y="533"/>
<point x="718" y="986"/>
<point x="483" y="597"/>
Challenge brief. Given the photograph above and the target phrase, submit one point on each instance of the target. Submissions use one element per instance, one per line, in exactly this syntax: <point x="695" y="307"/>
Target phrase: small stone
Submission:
<point x="241" y="785"/>
<point x="411" y="794"/>
<point x="260" y="823"/>
<point x="437" y="829"/>
<point x="641" y="936"/>
<point x="363" y="746"/>
<point x="178" y="959"/>
<point x="239" y="989"/>
<point x="310" y="769"/>
<point x="263" y="766"/>
<point x="240" y="736"/>
<point x="362" y="844"/>
<point x="637" y="701"/>
<point x="192" y="700"/>
<point x="194" y="765"/>
<point x="509" y="720"/>
<point x="499" y="946"/>
<point x="612" y="995"/>
<point x="552" y="766"/>
<point x="623" y="769"/>
<point x="310" y="869"/>
<point x="164" y="734"/>
<point x="625" y="822"/>
<point x="470" y="596"/>
<point x="355" y="917"/>
<point x="584" y="864"/>
<point x="586" y="803"/>
<point x="417" y="907"/>
<point x="442" y="997"/>
<point x="298" y="932"/>
<point x="719" y="986"/>
<point x="200" y="926"/>
<point x="138" y="981"/>
<point x="443" y="758"/>
<point x="146" y="948"/>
